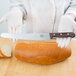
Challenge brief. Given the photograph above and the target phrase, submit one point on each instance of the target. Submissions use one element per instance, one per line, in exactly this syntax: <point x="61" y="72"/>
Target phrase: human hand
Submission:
<point x="67" y="24"/>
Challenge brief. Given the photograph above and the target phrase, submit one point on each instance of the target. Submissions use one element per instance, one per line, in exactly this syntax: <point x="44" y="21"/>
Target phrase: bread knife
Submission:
<point x="38" y="36"/>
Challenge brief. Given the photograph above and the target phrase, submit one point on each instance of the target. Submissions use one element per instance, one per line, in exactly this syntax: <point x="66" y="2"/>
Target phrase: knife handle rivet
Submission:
<point x="54" y="34"/>
<point x="60" y="34"/>
<point x="67" y="33"/>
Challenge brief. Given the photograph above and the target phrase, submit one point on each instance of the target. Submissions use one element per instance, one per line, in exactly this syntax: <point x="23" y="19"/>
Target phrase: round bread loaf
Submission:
<point x="40" y="52"/>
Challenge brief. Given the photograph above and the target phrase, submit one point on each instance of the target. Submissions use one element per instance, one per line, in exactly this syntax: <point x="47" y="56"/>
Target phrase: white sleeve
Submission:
<point x="19" y="4"/>
<point x="72" y="8"/>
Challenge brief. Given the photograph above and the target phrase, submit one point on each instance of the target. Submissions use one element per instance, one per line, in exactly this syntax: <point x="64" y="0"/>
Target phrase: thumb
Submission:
<point x="3" y="19"/>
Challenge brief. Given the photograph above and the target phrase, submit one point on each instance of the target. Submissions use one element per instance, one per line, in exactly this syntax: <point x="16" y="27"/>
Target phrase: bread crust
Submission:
<point x="40" y="52"/>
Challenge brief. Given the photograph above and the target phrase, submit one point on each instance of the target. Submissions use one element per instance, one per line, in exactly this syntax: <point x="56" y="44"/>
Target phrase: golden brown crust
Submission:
<point x="40" y="52"/>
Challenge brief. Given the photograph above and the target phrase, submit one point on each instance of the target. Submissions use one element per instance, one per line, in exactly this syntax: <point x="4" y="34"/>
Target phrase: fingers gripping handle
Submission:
<point x="62" y="35"/>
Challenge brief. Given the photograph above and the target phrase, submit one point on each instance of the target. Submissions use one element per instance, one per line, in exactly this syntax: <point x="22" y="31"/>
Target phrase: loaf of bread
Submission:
<point x="6" y="46"/>
<point x="40" y="52"/>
